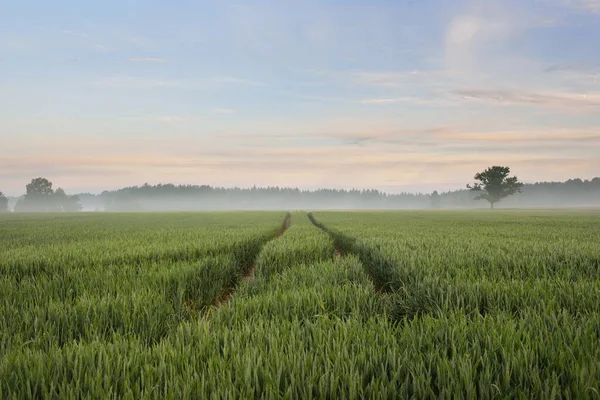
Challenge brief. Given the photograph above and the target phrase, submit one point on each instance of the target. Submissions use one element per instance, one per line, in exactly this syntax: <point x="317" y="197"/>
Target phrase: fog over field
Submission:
<point x="575" y="193"/>
<point x="571" y="194"/>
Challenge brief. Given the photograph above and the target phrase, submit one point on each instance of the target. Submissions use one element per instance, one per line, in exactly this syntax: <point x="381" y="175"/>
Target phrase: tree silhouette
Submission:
<point x="3" y="203"/>
<point x="66" y="203"/>
<point x="495" y="184"/>
<point x="40" y="197"/>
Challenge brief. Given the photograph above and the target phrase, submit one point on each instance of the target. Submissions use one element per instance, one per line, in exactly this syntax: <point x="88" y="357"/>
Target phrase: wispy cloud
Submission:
<point x="75" y="34"/>
<point x="592" y="6"/>
<point x="275" y="166"/>
<point x="477" y="34"/>
<point x="559" y="67"/>
<point x="549" y="22"/>
<point x="411" y="100"/>
<point x="584" y="102"/>
<point x="134" y="82"/>
<point x="317" y="98"/>
<point x="104" y="49"/>
<point x="518" y="137"/>
<point x="582" y="76"/>
<point x="399" y="78"/>
<point x="429" y="154"/>
<point x="118" y="82"/>
<point x="159" y="118"/>
<point x="148" y="60"/>
<point x="385" y="101"/>
<point x="223" y="110"/>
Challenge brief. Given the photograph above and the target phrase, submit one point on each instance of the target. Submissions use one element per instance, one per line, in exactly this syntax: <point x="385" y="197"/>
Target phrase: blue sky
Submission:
<point x="396" y="95"/>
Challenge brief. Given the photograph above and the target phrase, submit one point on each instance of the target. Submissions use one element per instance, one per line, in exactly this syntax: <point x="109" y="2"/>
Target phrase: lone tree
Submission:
<point x="3" y="203"/>
<point x="495" y="184"/>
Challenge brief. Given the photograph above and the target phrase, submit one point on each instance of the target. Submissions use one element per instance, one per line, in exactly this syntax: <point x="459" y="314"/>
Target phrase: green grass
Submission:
<point x="94" y="276"/>
<point x="471" y="305"/>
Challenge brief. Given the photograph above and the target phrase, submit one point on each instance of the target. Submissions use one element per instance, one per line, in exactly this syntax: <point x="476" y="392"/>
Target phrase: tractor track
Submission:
<point x="248" y="273"/>
<point x="347" y="245"/>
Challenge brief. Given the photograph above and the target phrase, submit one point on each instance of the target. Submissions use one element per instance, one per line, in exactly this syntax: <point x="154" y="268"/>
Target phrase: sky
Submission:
<point x="404" y="95"/>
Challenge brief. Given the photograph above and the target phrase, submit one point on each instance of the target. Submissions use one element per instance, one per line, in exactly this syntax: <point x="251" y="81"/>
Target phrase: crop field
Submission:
<point x="349" y="305"/>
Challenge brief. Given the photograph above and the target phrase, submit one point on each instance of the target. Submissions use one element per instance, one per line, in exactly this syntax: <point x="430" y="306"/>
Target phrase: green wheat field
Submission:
<point x="340" y="305"/>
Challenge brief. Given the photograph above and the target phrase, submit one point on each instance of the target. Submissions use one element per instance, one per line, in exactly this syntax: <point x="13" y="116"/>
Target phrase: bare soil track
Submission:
<point x="249" y="274"/>
<point x="286" y="224"/>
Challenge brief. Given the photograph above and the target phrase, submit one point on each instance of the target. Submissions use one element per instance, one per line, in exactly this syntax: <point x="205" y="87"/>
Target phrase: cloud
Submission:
<point x="75" y="34"/>
<point x="576" y="136"/>
<point x="223" y="110"/>
<point x="147" y="60"/>
<point x="548" y="22"/>
<point x="475" y="33"/>
<point x="584" y="102"/>
<point x="317" y="98"/>
<point x="400" y="78"/>
<point x="592" y="6"/>
<point x="288" y="166"/>
<point x="559" y="67"/>
<point x="583" y="77"/>
<point x="412" y="100"/>
<point x="385" y="101"/>
<point x="407" y="155"/>
<point x="160" y="118"/>
<point x="134" y="82"/>
<point x="263" y="159"/>
<point x="104" y="49"/>
<point x="124" y="82"/>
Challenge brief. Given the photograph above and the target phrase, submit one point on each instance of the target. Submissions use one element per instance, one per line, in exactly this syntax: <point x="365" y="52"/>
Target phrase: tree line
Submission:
<point x="40" y="197"/>
<point x="493" y="186"/>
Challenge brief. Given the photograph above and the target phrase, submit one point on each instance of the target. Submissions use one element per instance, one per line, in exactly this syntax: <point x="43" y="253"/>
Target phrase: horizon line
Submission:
<point x="298" y="188"/>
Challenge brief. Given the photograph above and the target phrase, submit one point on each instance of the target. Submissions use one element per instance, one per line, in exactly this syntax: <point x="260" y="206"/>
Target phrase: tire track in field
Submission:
<point x="380" y="269"/>
<point x="338" y="253"/>
<point x="388" y="283"/>
<point x="302" y="277"/>
<point x="248" y="272"/>
<point x="412" y="295"/>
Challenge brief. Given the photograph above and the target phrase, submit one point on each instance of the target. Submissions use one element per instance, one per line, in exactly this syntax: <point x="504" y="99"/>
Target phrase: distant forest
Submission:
<point x="163" y="197"/>
<point x="572" y="193"/>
